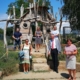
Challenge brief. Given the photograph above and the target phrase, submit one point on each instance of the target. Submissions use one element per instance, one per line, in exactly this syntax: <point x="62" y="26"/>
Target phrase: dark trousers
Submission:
<point x="17" y="43"/>
<point x="54" y="54"/>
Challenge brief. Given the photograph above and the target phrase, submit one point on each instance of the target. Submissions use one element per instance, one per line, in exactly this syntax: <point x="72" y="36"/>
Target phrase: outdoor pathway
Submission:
<point x="45" y="74"/>
<point x="62" y="75"/>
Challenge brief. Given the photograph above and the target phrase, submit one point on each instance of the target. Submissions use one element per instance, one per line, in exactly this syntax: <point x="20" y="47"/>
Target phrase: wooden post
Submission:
<point x="7" y="52"/>
<point x="14" y="18"/>
<point x="5" y="40"/>
<point x="21" y="10"/>
<point x="60" y="12"/>
<point x="30" y="9"/>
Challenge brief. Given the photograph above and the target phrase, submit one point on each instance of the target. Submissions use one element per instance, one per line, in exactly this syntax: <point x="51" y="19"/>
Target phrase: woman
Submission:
<point x="70" y="51"/>
<point x="38" y="35"/>
<point x="27" y="52"/>
<point x="55" y="32"/>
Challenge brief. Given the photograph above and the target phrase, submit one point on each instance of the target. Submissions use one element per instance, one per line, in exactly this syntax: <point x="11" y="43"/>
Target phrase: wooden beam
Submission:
<point x="5" y="38"/>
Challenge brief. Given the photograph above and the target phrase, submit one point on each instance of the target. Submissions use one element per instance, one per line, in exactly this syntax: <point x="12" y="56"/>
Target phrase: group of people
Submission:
<point x="70" y="51"/>
<point x="54" y="48"/>
<point x="26" y="48"/>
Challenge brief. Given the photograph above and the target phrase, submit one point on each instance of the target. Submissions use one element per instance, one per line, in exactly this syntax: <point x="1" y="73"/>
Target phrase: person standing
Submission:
<point x="27" y="53"/>
<point x="56" y="36"/>
<point x="38" y="35"/>
<point x="17" y="37"/>
<point x="53" y="50"/>
<point x="70" y="51"/>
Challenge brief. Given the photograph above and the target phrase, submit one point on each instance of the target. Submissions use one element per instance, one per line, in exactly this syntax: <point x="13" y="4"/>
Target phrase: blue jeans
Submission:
<point x="17" y="43"/>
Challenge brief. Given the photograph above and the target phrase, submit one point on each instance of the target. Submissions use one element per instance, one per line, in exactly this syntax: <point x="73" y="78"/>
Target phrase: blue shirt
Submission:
<point x="17" y="35"/>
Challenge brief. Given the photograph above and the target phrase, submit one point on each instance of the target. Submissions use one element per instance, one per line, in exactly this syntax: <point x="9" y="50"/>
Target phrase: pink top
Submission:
<point x="70" y="49"/>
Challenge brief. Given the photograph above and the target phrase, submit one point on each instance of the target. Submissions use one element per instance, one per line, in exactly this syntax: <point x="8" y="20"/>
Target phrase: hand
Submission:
<point x="30" y="53"/>
<point x="49" y="53"/>
<point x="68" y="52"/>
<point x="17" y="39"/>
<point x="72" y="52"/>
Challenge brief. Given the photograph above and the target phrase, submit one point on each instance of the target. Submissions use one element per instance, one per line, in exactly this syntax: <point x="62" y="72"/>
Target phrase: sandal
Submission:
<point x="74" y="78"/>
<point x="70" y="78"/>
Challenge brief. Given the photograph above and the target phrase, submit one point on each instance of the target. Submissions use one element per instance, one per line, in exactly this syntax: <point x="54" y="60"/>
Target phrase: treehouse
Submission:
<point x="35" y="16"/>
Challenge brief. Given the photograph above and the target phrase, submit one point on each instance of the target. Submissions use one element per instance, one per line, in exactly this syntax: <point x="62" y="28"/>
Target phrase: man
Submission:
<point x="53" y="49"/>
<point x="17" y="37"/>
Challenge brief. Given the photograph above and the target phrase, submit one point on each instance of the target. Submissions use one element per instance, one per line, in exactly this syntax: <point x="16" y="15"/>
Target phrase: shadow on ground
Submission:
<point x="65" y="75"/>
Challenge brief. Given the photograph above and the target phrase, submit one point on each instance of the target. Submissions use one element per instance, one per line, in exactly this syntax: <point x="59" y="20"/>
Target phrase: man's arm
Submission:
<point x="13" y="37"/>
<point x="49" y="48"/>
<point x="35" y="33"/>
<point x="20" y="37"/>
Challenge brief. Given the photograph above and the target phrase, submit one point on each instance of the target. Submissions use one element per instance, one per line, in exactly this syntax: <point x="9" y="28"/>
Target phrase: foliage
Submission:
<point x="78" y="55"/>
<point x="25" y="3"/>
<point x="9" y="31"/>
<point x="71" y="10"/>
<point x="1" y="31"/>
<point x="17" y="5"/>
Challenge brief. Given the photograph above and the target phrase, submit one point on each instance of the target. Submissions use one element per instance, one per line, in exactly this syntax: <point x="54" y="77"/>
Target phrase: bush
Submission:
<point x="61" y="57"/>
<point x="78" y="56"/>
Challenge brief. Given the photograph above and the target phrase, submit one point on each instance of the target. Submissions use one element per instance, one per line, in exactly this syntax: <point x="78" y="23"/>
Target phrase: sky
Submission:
<point x="4" y="6"/>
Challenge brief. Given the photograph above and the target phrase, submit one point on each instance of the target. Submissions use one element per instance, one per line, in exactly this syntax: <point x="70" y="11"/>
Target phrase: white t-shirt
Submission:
<point x="55" y="32"/>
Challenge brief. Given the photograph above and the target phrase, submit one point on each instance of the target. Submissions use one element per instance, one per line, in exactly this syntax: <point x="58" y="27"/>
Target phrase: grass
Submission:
<point x="8" y="64"/>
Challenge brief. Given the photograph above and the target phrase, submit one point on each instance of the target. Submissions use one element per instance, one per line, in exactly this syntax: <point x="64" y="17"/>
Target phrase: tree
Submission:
<point x="25" y="3"/>
<point x="17" y="5"/>
<point x="10" y="31"/>
<point x="71" y="10"/>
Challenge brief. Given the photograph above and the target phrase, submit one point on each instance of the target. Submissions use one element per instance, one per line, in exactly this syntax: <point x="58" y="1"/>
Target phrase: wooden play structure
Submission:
<point x="34" y="15"/>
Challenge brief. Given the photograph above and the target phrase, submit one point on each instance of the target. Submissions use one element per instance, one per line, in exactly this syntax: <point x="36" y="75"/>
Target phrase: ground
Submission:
<point x="62" y="75"/>
<point x="49" y="75"/>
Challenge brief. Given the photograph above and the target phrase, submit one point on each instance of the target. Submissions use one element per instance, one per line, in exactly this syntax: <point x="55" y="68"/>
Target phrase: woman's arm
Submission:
<point x="57" y="35"/>
<point x="74" y="52"/>
<point x="30" y="49"/>
<point x="64" y="52"/>
<point x="35" y="33"/>
<point x="41" y="33"/>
